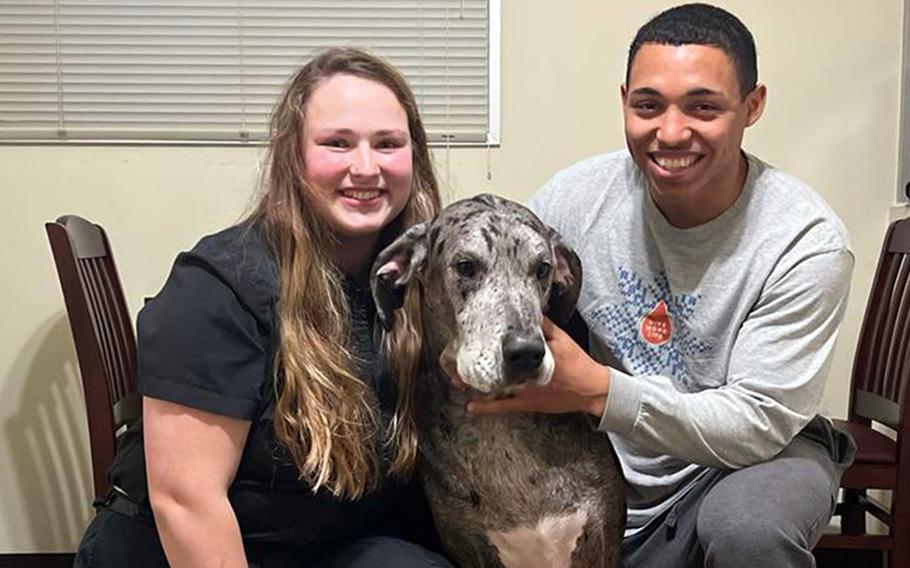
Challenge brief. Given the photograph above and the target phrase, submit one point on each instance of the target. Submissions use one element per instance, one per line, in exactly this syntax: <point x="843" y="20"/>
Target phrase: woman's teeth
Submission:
<point x="360" y="195"/>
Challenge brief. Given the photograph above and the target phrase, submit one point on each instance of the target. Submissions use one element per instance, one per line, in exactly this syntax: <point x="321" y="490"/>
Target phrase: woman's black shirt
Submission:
<point x="208" y="341"/>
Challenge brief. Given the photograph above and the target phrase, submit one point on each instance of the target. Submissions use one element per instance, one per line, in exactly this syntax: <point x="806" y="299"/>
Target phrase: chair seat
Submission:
<point x="872" y="447"/>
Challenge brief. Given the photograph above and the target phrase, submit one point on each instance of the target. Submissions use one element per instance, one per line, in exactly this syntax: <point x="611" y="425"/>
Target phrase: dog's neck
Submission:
<point x="438" y="326"/>
<point x="437" y="335"/>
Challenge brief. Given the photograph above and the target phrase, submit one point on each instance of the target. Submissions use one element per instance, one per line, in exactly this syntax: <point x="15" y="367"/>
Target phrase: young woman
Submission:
<point x="272" y="433"/>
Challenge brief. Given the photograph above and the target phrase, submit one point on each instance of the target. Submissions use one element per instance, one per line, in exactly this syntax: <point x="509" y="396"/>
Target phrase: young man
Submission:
<point x="718" y="282"/>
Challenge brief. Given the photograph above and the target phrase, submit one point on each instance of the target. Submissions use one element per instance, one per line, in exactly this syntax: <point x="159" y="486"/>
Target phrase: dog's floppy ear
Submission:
<point x="566" y="281"/>
<point x="394" y="268"/>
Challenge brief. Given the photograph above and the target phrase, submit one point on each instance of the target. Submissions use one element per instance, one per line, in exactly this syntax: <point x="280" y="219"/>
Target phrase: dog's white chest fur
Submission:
<point x="549" y="544"/>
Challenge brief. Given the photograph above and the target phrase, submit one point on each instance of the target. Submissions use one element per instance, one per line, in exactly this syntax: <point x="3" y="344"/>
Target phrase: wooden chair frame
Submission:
<point x="879" y="392"/>
<point x="102" y="332"/>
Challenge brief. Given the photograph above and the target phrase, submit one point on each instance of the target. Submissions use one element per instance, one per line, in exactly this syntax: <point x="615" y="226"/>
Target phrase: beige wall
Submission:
<point x="832" y="71"/>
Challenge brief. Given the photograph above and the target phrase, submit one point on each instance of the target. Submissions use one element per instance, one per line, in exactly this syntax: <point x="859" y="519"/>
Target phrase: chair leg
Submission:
<point x="853" y="559"/>
<point x="873" y="559"/>
<point x="899" y="555"/>
<point x="853" y="519"/>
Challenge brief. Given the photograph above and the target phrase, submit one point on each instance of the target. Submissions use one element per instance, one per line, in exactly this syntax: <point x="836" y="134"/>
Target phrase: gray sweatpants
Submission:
<point x="767" y="515"/>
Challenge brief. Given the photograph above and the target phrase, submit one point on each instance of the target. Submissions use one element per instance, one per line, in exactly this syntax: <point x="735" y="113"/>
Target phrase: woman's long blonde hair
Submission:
<point x="325" y="415"/>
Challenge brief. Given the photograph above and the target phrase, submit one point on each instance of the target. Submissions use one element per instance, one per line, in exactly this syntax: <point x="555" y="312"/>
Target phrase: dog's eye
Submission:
<point x="543" y="270"/>
<point x="465" y="268"/>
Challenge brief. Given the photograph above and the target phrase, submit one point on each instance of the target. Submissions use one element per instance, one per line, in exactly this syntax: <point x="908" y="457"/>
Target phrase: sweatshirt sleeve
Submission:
<point x="775" y="378"/>
<point x="545" y="203"/>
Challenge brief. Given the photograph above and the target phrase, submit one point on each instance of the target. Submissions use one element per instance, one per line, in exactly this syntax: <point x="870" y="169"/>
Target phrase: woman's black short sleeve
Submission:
<point x="205" y="341"/>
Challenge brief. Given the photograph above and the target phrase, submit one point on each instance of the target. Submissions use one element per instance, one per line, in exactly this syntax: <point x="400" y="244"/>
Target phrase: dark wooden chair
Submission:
<point x="880" y="392"/>
<point x="103" y="334"/>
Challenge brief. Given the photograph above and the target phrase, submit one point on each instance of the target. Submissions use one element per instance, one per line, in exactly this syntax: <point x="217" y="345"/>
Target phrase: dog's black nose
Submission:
<point x="521" y="354"/>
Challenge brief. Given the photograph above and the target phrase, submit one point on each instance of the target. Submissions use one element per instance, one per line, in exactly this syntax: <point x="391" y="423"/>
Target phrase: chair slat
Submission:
<point x="870" y="349"/>
<point x="122" y="338"/>
<point x="899" y="366"/>
<point x="91" y="300"/>
<point x="106" y="317"/>
<point x="897" y="306"/>
<point x="96" y="307"/>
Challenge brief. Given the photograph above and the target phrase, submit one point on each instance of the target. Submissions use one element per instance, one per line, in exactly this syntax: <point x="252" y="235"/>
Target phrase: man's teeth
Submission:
<point x="675" y="164"/>
<point x="361" y="195"/>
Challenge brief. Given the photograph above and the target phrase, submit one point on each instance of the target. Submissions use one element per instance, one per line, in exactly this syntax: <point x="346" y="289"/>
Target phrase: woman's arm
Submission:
<point x="191" y="457"/>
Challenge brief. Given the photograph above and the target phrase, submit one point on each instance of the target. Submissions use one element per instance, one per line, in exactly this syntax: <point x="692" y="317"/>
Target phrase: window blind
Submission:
<point x="211" y="70"/>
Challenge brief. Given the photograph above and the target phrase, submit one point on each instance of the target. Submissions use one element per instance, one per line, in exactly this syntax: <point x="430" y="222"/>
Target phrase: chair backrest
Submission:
<point x="103" y="334"/>
<point x="881" y="369"/>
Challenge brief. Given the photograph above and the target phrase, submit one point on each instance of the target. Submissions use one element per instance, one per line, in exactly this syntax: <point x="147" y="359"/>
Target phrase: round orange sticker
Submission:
<point x="656" y="327"/>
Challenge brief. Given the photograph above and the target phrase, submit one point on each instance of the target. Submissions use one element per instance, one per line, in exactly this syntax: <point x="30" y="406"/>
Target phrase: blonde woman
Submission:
<point x="273" y="434"/>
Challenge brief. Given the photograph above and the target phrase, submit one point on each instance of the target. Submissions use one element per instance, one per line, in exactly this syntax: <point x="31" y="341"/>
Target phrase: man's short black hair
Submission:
<point x="702" y="24"/>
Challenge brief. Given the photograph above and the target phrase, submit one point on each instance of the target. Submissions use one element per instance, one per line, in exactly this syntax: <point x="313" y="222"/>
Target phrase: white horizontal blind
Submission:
<point x="188" y="70"/>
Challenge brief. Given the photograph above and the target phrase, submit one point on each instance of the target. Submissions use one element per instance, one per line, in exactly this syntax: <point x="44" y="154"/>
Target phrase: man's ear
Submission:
<point x="394" y="268"/>
<point x="566" y="281"/>
<point x="755" y="103"/>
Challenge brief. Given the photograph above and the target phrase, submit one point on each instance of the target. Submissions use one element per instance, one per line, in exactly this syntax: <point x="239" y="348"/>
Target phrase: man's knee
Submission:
<point x="772" y="512"/>
<point x="726" y="531"/>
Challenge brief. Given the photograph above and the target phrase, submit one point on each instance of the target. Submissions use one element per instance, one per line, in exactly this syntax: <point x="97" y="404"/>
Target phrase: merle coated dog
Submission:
<point x="518" y="490"/>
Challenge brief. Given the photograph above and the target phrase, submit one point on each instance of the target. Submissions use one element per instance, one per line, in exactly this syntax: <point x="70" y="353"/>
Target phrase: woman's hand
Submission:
<point x="579" y="383"/>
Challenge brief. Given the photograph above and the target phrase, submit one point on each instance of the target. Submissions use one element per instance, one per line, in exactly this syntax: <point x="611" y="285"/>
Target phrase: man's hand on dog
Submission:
<point x="579" y="383"/>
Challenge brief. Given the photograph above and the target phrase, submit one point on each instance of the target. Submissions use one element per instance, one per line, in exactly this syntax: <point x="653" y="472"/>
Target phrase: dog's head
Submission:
<point x="490" y="270"/>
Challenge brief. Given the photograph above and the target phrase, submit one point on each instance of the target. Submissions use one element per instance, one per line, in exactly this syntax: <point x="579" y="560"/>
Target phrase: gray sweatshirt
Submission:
<point x="726" y="329"/>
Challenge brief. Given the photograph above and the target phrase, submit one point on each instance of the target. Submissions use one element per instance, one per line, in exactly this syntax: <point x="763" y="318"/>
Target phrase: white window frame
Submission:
<point x="903" y="156"/>
<point x="494" y="55"/>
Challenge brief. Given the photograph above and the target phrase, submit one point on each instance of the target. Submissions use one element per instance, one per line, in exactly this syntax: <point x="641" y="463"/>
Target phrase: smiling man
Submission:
<point x="718" y="283"/>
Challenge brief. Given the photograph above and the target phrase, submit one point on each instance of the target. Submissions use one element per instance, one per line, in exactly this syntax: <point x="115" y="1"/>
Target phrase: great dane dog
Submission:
<point x="517" y="490"/>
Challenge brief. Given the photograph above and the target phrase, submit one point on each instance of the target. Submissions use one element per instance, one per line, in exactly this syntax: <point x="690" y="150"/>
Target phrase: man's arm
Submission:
<point x="774" y="385"/>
